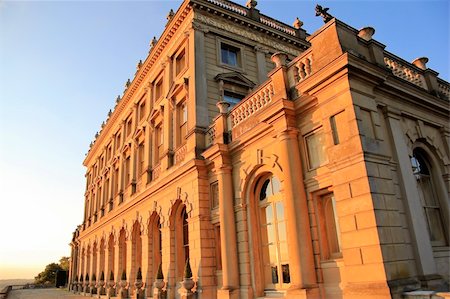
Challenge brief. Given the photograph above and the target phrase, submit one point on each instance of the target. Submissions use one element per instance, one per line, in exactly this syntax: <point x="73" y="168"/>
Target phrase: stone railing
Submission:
<point x="404" y="70"/>
<point x="444" y="88"/>
<point x="301" y="68"/>
<point x="230" y="6"/>
<point x="180" y="154"/>
<point x="210" y="135"/>
<point x="252" y="104"/>
<point x="277" y="25"/>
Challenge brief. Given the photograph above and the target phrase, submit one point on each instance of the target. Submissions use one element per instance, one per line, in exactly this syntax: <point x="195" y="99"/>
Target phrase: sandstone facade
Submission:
<point x="277" y="163"/>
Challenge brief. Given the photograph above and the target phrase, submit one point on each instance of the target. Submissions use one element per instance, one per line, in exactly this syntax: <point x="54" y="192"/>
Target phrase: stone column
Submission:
<point x="230" y="273"/>
<point x="425" y="260"/>
<point x="301" y="265"/>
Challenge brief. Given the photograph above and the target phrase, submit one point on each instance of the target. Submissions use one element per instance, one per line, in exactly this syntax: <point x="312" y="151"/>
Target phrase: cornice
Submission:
<point x="144" y="69"/>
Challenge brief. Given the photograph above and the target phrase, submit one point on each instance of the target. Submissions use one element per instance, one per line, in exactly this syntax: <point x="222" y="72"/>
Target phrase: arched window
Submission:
<point x="427" y="189"/>
<point x="272" y="229"/>
<point x="182" y="240"/>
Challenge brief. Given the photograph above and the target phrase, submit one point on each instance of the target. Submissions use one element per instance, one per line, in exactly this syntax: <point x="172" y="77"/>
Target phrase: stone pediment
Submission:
<point x="235" y="78"/>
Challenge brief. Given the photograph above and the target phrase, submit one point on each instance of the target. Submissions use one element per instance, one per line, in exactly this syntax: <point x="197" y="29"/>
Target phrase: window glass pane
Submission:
<point x="280" y="210"/>
<point x="284" y="254"/>
<point x="286" y="274"/>
<point x="274" y="274"/>
<point x="276" y="185"/>
<point x="269" y="214"/>
<point x="282" y="231"/>
<point x="435" y="224"/>
<point x="271" y="233"/>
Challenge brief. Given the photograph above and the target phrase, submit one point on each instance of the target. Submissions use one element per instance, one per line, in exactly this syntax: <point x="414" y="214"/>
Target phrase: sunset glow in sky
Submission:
<point x="63" y="63"/>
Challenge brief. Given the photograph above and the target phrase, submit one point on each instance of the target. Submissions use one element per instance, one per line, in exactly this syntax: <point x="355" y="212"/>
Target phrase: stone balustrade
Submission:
<point x="301" y="68"/>
<point x="211" y="134"/>
<point x="404" y="70"/>
<point x="277" y="25"/>
<point x="230" y="6"/>
<point x="252" y="104"/>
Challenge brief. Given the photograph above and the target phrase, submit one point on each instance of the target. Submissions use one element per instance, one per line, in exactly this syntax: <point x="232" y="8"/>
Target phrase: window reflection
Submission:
<point x="272" y="221"/>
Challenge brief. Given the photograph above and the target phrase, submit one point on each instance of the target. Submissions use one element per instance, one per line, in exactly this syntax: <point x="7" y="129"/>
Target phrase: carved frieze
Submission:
<point x="236" y="30"/>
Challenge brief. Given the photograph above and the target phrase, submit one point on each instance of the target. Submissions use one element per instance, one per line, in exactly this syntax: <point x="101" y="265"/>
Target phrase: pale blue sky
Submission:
<point x="63" y="63"/>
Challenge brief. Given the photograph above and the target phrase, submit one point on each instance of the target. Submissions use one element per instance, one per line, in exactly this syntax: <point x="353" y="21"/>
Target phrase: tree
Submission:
<point x="48" y="275"/>
<point x="64" y="263"/>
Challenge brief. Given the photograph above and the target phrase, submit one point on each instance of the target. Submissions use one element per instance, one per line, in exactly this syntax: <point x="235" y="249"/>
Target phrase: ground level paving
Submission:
<point x="43" y="294"/>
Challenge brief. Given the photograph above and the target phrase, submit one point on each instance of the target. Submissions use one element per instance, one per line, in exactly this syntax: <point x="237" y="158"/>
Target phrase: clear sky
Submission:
<point x="63" y="63"/>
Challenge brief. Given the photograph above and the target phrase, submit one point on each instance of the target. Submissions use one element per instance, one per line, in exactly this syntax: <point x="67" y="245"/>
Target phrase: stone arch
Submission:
<point x="179" y="239"/>
<point x="154" y="246"/>
<point x="111" y="255"/>
<point x="136" y="249"/>
<point x="122" y="254"/>
<point x="94" y="260"/>
<point x="102" y="258"/>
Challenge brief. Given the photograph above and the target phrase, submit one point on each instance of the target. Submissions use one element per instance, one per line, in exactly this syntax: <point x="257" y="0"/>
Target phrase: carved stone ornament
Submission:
<point x="251" y="4"/>
<point x="127" y="84"/>
<point x="118" y="99"/>
<point x="366" y="33"/>
<point x="170" y="15"/>
<point x="297" y="23"/>
<point x="323" y="12"/>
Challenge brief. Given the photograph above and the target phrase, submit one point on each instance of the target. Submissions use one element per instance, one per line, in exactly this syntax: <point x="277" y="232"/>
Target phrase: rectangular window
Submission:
<point x="142" y="110"/>
<point x="108" y="152"/>
<point x="230" y="55"/>
<point x="159" y="141"/>
<point x="180" y="62"/>
<point x="127" y="171"/>
<point x="116" y="181"/>
<point x="158" y="89"/>
<point x="118" y="139"/>
<point x="232" y="98"/>
<point x="129" y="126"/>
<point x="315" y="146"/>
<point x="182" y="123"/>
<point x="140" y="165"/>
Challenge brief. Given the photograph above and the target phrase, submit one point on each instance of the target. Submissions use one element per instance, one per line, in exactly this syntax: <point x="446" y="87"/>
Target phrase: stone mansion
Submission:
<point x="250" y="159"/>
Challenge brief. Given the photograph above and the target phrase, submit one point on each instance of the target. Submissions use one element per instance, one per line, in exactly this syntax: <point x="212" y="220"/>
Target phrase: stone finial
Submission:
<point x="279" y="59"/>
<point x="96" y="135"/>
<point x="90" y="145"/>
<point x="103" y="124"/>
<point x="421" y="62"/>
<point x="118" y="99"/>
<point x="323" y="12"/>
<point x="170" y="15"/>
<point x="127" y="84"/>
<point x="366" y="33"/>
<point x="139" y="64"/>
<point x="251" y="4"/>
<point x="109" y="113"/>
<point x="153" y="42"/>
<point x="297" y="23"/>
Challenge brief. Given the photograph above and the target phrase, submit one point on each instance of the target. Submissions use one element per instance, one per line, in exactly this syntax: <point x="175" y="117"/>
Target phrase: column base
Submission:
<point x="228" y="294"/>
<point x="296" y="292"/>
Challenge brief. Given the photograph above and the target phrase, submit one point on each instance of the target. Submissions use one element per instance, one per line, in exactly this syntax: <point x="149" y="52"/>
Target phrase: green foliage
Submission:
<point x="48" y="275"/>
<point x="87" y="277"/>
<point x="102" y="276"/>
<point x="76" y="277"/>
<point x="94" y="278"/>
<point x="139" y="274"/>
<point x="187" y="270"/>
<point x="81" y="278"/>
<point x="124" y="275"/>
<point x="111" y="276"/>
<point x="64" y="263"/>
<point x="160" y="274"/>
